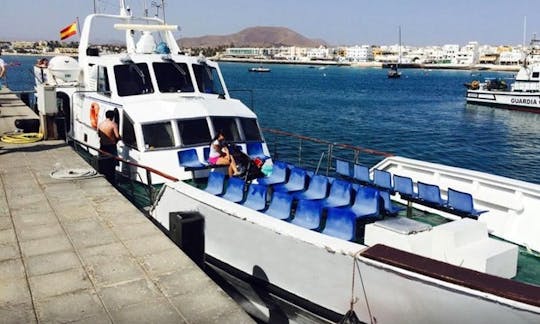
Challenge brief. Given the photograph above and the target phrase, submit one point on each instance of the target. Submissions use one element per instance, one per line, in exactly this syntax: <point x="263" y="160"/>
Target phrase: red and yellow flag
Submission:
<point x="68" y="31"/>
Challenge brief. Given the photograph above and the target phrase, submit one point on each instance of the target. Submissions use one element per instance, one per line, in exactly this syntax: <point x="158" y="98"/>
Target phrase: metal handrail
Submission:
<point x="329" y="152"/>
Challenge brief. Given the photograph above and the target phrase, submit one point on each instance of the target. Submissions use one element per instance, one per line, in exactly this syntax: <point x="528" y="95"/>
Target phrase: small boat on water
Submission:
<point x="259" y="69"/>
<point x="324" y="245"/>
<point x="522" y="94"/>
<point x="393" y="72"/>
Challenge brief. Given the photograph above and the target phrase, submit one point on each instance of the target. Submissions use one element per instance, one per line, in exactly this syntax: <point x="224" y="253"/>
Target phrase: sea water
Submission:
<point x="422" y="115"/>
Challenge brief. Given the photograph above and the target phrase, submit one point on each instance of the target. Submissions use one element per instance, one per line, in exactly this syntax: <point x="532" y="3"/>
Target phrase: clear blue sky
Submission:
<point x="424" y="22"/>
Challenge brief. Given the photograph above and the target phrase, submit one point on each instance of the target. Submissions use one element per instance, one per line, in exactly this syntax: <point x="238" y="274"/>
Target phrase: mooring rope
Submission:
<point x="354" y="299"/>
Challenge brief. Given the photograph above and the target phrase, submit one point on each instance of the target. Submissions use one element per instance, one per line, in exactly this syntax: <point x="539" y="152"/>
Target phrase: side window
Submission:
<point x="251" y="129"/>
<point x="194" y="131"/>
<point x="207" y="79"/>
<point x="128" y="132"/>
<point x="158" y="135"/>
<point x="228" y="126"/>
<point x="103" y="81"/>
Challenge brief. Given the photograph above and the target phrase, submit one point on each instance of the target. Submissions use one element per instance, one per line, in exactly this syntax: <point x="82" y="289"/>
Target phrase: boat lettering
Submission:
<point x="527" y="101"/>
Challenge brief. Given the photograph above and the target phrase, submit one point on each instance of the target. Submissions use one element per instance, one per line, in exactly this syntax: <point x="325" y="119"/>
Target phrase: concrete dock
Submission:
<point x="75" y="250"/>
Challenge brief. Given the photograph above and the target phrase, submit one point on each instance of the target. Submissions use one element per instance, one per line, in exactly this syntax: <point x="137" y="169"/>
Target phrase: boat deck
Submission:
<point x="75" y="250"/>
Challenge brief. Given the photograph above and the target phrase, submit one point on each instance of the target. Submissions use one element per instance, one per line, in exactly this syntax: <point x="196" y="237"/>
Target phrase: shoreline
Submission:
<point x="372" y="64"/>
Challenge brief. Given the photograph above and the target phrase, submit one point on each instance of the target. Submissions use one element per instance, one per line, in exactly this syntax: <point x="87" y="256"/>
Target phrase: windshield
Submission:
<point x="207" y="78"/>
<point x="132" y="79"/>
<point x="173" y="77"/>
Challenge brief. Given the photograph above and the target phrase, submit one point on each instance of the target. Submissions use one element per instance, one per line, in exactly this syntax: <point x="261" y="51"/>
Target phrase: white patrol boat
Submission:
<point x="324" y="257"/>
<point x="523" y="94"/>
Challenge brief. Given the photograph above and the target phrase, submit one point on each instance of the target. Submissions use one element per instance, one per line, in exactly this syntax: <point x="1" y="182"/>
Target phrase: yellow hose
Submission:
<point x="21" y="138"/>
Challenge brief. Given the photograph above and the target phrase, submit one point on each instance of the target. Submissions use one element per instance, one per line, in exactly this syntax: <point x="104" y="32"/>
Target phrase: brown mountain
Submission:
<point x="253" y="37"/>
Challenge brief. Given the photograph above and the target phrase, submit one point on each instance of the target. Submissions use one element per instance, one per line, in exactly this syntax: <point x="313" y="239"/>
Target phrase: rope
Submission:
<point x="354" y="299"/>
<point x="73" y="174"/>
<point x="21" y="138"/>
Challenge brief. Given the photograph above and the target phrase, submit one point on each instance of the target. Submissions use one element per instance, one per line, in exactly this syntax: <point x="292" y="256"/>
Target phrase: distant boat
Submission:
<point x="393" y="73"/>
<point x="259" y="69"/>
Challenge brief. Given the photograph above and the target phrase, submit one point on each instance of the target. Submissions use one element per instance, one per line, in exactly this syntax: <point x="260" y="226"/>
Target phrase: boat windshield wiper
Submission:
<point x="176" y="65"/>
<point x="136" y="68"/>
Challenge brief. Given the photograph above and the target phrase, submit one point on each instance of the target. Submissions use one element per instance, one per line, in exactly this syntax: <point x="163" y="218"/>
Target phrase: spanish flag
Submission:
<point x="68" y="31"/>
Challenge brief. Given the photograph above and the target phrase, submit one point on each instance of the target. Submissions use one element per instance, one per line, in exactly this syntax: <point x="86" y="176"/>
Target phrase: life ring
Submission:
<point x="94" y="113"/>
<point x="475" y="85"/>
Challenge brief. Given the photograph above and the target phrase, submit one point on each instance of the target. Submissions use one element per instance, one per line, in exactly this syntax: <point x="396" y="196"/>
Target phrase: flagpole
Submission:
<point x="78" y="30"/>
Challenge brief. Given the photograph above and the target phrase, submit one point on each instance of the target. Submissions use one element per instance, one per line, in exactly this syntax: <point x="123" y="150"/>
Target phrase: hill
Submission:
<point x="253" y="37"/>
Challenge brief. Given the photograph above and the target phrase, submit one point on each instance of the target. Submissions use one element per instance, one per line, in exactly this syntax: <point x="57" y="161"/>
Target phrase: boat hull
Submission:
<point x="319" y="269"/>
<point x="521" y="101"/>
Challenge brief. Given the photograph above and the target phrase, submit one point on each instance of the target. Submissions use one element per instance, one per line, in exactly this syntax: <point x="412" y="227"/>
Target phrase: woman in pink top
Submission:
<point x="219" y="154"/>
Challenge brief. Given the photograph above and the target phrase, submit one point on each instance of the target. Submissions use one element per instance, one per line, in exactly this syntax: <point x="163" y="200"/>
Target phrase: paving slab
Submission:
<point x="76" y="251"/>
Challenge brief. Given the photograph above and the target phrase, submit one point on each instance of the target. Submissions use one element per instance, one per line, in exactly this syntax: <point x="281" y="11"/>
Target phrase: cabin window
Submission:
<point x="128" y="132"/>
<point x="535" y="74"/>
<point x="251" y="129"/>
<point x="228" y="126"/>
<point x="132" y="79"/>
<point x="173" y="77"/>
<point x="103" y="81"/>
<point x="158" y="135"/>
<point x="207" y="78"/>
<point x="194" y="131"/>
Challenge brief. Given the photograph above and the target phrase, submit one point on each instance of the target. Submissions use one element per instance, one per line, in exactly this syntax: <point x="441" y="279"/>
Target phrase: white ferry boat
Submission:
<point x="329" y="256"/>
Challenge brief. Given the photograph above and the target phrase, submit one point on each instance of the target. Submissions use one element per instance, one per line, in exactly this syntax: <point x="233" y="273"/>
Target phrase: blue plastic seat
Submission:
<point x="361" y="174"/>
<point x="340" y="223"/>
<point x="280" y="205"/>
<point x="366" y="203"/>
<point x="462" y="204"/>
<point x="317" y="188"/>
<point x="256" y="197"/>
<point x="340" y="194"/>
<point x="189" y="159"/>
<point x="279" y="175"/>
<point x="308" y="214"/>
<point x="255" y="150"/>
<point x="404" y="186"/>
<point x="382" y="179"/>
<point x="216" y="180"/>
<point x="389" y="207"/>
<point x="430" y="194"/>
<point x="235" y="190"/>
<point x="297" y="181"/>
<point x="343" y="168"/>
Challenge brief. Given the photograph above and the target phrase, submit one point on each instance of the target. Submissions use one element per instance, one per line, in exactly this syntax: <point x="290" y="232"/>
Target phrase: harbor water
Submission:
<point x="422" y="115"/>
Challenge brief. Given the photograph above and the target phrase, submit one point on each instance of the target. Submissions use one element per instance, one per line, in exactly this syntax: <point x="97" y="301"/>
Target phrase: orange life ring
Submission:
<point x="94" y="113"/>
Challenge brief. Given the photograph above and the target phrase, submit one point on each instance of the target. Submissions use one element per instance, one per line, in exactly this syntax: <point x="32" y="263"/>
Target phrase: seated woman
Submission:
<point x="219" y="154"/>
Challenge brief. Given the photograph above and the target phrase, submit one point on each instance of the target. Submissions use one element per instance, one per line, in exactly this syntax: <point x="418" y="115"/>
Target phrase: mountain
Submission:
<point x="253" y="37"/>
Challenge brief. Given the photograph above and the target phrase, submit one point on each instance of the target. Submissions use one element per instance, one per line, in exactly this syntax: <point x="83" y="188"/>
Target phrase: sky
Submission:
<point x="344" y="22"/>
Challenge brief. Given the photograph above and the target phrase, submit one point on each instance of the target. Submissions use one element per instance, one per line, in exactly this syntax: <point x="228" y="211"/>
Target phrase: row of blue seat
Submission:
<point x="341" y="216"/>
<point x="458" y="202"/>
<point x="189" y="158"/>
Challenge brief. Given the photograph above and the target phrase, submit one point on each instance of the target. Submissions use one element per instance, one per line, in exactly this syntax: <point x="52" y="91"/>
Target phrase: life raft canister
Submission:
<point x="94" y="113"/>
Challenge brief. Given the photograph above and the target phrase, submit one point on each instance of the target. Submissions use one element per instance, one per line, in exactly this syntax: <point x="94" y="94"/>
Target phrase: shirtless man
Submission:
<point x="108" y="137"/>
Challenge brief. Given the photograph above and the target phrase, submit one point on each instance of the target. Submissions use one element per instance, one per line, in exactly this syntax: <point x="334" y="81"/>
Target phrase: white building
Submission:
<point x="468" y="55"/>
<point x="357" y="53"/>
<point x="319" y="53"/>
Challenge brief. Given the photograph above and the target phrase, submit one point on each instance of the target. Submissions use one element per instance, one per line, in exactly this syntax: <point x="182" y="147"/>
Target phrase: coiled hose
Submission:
<point x="21" y="138"/>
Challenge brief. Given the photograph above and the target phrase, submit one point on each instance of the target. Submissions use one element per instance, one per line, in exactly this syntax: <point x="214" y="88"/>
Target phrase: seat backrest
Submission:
<point x="340" y="189"/>
<point x="254" y="148"/>
<point x="215" y="184"/>
<point x="206" y="153"/>
<point x="430" y="193"/>
<point x="382" y="179"/>
<point x="460" y="200"/>
<point x="256" y="197"/>
<point x="279" y="170"/>
<point x="319" y="185"/>
<point x="340" y="223"/>
<point x="188" y="158"/>
<point x="361" y="173"/>
<point x="308" y="214"/>
<point x="298" y="177"/>
<point x="403" y="185"/>
<point x="280" y="205"/>
<point x="235" y="190"/>
<point x="343" y="168"/>
<point x="366" y="201"/>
